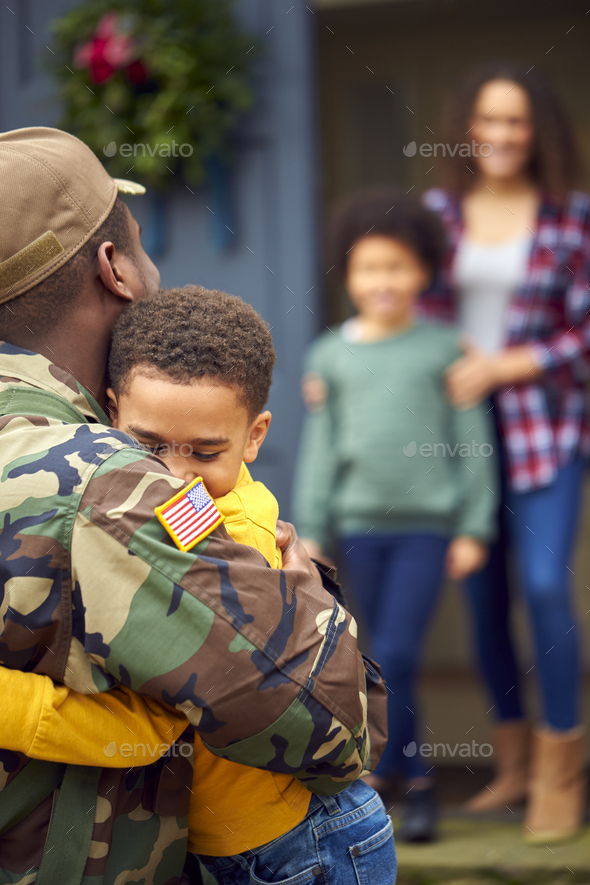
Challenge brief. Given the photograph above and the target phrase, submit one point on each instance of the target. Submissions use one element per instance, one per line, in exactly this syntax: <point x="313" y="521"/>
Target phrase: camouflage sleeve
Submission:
<point x="263" y="662"/>
<point x="376" y="688"/>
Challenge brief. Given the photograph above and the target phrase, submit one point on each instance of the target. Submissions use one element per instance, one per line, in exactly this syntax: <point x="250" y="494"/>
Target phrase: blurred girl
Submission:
<point x="389" y="469"/>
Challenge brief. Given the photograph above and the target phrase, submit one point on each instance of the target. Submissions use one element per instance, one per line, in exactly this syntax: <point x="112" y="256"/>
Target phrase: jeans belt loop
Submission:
<point x="330" y="804"/>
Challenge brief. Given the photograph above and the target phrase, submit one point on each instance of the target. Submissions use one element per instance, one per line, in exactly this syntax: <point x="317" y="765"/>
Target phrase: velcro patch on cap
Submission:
<point x="41" y="251"/>
<point x="190" y="515"/>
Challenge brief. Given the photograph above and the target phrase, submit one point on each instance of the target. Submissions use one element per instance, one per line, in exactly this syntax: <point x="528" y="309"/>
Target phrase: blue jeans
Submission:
<point x="396" y="579"/>
<point x="540" y="527"/>
<point x="343" y="840"/>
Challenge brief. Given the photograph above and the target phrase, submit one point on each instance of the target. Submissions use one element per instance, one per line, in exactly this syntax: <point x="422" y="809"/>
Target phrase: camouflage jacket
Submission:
<point x="263" y="662"/>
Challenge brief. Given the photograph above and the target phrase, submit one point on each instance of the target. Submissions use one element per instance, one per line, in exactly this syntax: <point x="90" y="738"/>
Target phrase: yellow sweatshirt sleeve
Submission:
<point x="115" y="729"/>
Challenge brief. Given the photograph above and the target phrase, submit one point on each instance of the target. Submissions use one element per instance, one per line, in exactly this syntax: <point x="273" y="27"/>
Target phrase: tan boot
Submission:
<point x="557" y="795"/>
<point x="512" y="743"/>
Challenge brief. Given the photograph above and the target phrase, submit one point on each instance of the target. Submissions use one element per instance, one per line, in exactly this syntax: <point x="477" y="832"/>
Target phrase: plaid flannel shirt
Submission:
<point x="544" y="424"/>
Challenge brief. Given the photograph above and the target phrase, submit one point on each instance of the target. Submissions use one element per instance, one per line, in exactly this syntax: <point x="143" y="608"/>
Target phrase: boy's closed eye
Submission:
<point x="165" y="449"/>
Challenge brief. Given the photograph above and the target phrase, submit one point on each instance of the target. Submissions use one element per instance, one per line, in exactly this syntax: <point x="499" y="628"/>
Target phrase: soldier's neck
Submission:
<point x="82" y="354"/>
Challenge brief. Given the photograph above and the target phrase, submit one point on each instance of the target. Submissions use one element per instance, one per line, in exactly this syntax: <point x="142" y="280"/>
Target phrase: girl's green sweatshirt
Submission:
<point x="386" y="451"/>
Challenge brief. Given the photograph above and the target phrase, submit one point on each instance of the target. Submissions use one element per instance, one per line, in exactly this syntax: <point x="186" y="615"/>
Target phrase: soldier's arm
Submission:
<point x="263" y="662"/>
<point x="116" y="729"/>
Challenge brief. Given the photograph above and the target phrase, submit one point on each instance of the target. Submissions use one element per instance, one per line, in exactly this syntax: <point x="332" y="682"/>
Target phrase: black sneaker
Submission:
<point x="419" y="817"/>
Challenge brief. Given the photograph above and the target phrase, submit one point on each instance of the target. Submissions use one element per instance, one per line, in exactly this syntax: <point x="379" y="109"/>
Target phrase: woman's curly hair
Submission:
<point x="554" y="164"/>
<point x="191" y="333"/>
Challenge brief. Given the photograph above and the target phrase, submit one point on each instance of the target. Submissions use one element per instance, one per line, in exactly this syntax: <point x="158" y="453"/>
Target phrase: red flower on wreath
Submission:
<point x="110" y="50"/>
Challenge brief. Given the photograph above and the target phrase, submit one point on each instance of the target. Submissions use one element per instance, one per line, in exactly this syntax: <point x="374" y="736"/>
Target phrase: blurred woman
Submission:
<point x="516" y="280"/>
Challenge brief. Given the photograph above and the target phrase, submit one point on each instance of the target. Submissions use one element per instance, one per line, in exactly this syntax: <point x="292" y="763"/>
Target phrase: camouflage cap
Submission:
<point x="54" y="194"/>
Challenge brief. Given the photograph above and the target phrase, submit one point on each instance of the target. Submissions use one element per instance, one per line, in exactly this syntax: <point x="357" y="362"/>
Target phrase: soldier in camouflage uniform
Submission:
<point x="263" y="663"/>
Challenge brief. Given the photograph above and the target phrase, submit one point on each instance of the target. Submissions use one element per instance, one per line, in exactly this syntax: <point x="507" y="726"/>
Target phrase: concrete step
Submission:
<point x="494" y="851"/>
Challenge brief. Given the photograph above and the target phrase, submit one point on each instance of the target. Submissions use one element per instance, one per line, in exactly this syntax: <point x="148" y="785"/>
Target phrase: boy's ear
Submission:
<point x="112" y="407"/>
<point x="258" y="431"/>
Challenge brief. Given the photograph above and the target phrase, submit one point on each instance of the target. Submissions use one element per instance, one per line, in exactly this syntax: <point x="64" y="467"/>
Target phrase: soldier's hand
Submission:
<point x="294" y="553"/>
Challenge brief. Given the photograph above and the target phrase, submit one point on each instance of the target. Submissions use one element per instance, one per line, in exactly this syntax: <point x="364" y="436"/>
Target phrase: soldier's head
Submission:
<point x="190" y="372"/>
<point x="70" y="250"/>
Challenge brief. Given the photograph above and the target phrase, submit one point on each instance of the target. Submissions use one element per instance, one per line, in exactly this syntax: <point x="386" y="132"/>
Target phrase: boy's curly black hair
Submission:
<point x="386" y="213"/>
<point x="191" y="333"/>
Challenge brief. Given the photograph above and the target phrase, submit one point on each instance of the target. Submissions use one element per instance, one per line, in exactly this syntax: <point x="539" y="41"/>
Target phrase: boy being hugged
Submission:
<point x="390" y="473"/>
<point x="191" y="371"/>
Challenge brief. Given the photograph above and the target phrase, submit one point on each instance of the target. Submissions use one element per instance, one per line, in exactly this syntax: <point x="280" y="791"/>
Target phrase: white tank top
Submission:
<point x="486" y="276"/>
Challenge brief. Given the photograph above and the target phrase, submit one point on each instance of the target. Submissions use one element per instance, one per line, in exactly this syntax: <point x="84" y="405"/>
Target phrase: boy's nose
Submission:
<point x="186" y="472"/>
<point x="181" y="468"/>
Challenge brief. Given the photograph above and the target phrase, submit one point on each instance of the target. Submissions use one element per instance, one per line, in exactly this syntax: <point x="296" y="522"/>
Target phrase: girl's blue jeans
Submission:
<point x="343" y="840"/>
<point x="539" y="528"/>
<point x="396" y="580"/>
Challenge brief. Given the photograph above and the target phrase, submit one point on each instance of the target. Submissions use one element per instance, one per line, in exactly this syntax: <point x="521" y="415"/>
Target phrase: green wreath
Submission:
<point x="153" y="86"/>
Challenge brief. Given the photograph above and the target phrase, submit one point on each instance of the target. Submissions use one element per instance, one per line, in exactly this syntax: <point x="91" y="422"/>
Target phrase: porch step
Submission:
<point x="490" y="851"/>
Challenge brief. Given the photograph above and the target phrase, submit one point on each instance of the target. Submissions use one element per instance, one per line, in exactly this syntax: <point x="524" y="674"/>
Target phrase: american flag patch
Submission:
<point x="190" y="515"/>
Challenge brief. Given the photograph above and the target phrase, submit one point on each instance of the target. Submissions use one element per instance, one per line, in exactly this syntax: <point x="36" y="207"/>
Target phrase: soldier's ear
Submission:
<point x="112" y="407"/>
